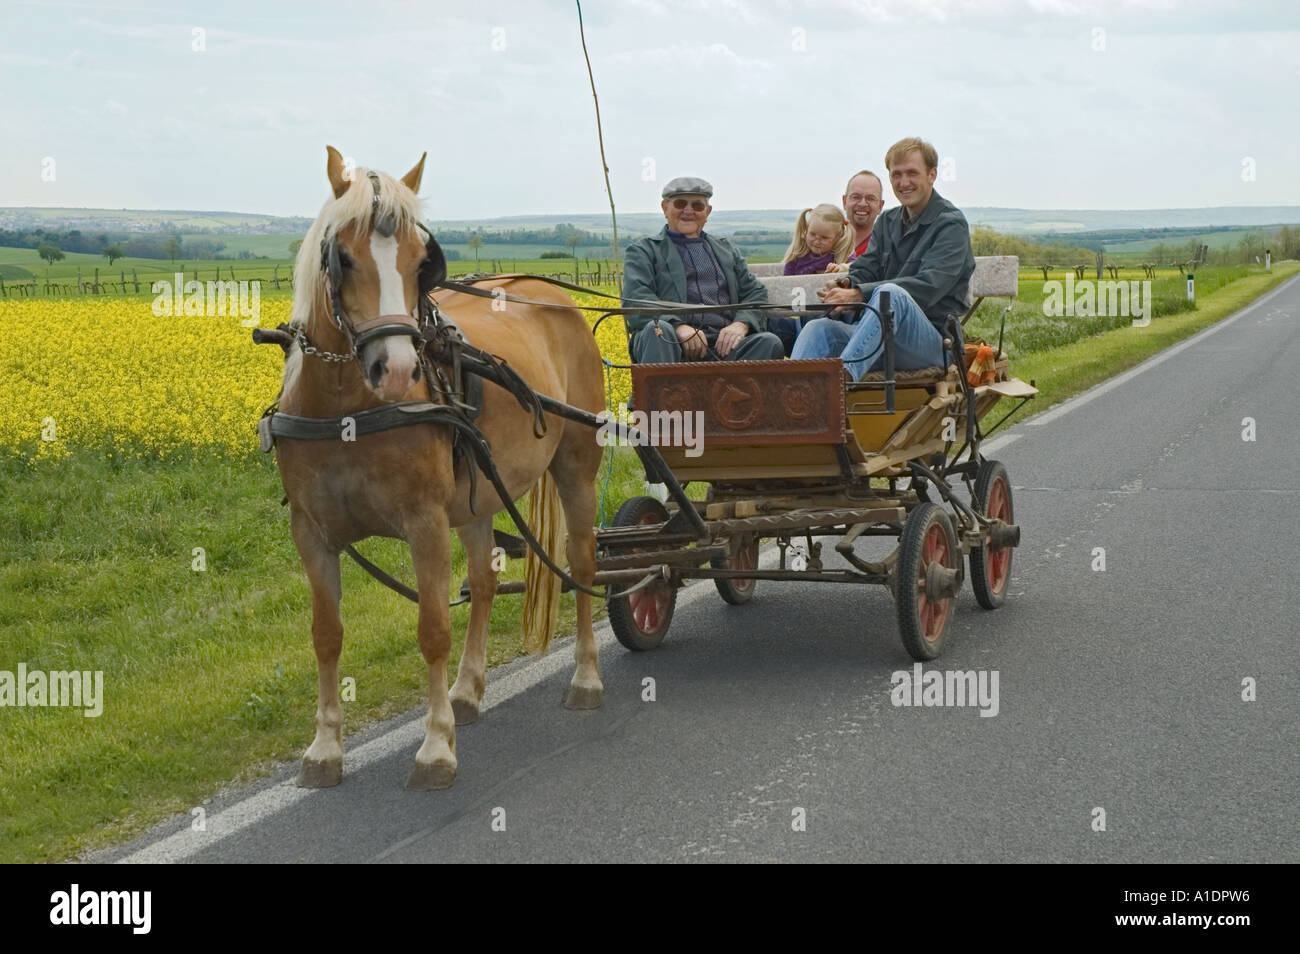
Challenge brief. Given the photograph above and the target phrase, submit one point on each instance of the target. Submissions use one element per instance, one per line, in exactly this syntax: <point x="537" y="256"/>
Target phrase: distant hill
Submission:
<point x="1040" y="223"/>
<point x="152" y="220"/>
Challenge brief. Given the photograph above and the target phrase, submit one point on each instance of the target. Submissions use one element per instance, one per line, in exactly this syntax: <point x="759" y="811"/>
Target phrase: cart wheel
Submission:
<point x="739" y="591"/>
<point x="640" y="620"/>
<point x="928" y="560"/>
<point x="991" y="569"/>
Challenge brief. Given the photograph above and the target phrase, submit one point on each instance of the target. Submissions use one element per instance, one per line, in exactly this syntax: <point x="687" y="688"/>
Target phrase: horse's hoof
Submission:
<point x="427" y="778"/>
<point x="314" y="774"/>
<point x="466" y="712"/>
<point x="584" y="697"/>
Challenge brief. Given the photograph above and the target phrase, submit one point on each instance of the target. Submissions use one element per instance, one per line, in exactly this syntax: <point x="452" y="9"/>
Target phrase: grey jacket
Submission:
<point x="652" y="269"/>
<point x="930" y="259"/>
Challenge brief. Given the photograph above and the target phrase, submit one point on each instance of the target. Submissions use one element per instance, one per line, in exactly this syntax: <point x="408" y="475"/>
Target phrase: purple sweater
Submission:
<point x="809" y="264"/>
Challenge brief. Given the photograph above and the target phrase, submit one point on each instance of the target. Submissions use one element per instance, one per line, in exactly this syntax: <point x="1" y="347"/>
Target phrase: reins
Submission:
<point x="440" y="343"/>
<point x="639" y="306"/>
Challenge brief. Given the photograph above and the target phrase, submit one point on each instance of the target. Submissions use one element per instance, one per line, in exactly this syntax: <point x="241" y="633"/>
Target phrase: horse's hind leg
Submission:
<point x="467" y="693"/>
<point x="322" y="765"/>
<point x="574" y="468"/>
<point x="435" y="763"/>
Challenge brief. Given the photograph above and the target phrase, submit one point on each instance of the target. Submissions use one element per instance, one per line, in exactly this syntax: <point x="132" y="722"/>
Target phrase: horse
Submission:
<point x="362" y="272"/>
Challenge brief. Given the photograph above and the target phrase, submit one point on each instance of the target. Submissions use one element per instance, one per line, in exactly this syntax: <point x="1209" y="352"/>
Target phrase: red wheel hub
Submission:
<point x="933" y="614"/>
<point x="999" y="561"/>
<point x="650" y="605"/>
<point x="746" y="558"/>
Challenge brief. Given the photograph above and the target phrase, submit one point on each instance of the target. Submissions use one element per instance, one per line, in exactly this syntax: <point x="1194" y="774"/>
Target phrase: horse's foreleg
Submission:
<point x="322" y="765"/>
<point x="467" y="693"/>
<point x="574" y="470"/>
<point x="435" y="763"/>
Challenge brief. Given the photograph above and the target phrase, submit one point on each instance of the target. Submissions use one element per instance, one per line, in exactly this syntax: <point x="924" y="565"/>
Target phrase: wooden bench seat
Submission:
<point x="995" y="276"/>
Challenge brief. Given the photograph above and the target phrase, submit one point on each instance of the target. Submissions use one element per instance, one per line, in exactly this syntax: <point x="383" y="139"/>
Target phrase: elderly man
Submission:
<point x="685" y="264"/>
<point x="920" y="253"/>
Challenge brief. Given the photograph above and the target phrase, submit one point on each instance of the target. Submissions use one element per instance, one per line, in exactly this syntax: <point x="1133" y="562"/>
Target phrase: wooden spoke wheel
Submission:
<point x="640" y="619"/>
<point x="739" y="590"/>
<point x="927" y="580"/>
<point x="990" y="569"/>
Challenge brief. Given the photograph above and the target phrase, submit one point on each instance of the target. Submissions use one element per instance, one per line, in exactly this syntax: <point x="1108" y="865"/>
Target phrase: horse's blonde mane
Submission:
<point x="354" y="206"/>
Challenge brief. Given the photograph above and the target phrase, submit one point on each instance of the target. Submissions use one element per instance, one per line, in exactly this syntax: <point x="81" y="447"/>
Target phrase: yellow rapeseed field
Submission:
<point x="106" y="373"/>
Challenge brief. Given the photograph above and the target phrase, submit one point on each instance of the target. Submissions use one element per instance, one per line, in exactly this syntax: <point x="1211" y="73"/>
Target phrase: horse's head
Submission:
<point x="377" y="270"/>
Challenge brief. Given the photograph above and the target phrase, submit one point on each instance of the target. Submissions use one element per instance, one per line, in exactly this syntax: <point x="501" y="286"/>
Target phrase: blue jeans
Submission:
<point x="917" y="342"/>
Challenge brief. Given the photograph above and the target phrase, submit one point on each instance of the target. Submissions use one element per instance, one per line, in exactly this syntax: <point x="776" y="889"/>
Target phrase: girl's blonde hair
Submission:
<point x="829" y="214"/>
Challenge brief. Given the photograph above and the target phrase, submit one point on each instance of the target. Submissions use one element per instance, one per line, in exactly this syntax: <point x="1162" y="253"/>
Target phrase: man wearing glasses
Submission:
<point x="684" y="264"/>
<point x="862" y="202"/>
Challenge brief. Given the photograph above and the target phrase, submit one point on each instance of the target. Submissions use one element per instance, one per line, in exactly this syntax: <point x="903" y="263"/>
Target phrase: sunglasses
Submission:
<point x="699" y="205"/>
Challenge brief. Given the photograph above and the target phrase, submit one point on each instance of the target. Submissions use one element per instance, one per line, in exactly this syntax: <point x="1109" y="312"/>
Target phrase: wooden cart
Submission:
<point x="794" y="452"/>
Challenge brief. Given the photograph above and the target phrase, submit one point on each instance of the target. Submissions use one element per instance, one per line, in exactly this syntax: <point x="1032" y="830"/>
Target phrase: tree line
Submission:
<point x="52" y="244"/>
<point x="563" y="234"/>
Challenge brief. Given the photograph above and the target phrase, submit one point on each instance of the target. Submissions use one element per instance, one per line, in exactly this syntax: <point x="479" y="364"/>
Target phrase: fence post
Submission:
<point x="1101" y="263"/>
<point x="1268" y="259"/>
<point x="81" y="290"/>
<point x="135" y="278"/>
<point x="275" y="277"/>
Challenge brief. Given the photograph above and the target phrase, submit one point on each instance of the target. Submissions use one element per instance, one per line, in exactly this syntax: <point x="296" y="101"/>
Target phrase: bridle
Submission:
<point x="433" y="270"/>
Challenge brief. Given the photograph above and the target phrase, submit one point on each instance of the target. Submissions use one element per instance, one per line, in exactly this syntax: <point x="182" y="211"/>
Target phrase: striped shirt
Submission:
<point x="706" y="283"/>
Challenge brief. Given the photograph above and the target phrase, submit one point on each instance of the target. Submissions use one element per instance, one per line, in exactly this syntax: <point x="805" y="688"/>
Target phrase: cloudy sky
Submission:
<point x="1034" y="103"/>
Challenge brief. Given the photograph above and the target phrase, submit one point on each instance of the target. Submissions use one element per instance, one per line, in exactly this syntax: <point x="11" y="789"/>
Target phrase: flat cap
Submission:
<point x="687" y="185"/>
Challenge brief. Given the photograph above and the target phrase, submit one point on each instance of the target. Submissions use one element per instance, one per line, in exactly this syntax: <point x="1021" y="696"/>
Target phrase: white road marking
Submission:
<point x="999" y="442"/>
<point x="1095" y="392"/>
<point x="184" y="844"/>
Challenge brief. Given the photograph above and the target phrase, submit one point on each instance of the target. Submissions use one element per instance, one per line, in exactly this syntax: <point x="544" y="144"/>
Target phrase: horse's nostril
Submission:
<point x="376" y="372"/>
<point x="415" y="373"/>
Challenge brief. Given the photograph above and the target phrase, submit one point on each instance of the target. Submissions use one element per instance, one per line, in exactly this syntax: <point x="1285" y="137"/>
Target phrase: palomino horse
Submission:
<point x="403" y="482"/>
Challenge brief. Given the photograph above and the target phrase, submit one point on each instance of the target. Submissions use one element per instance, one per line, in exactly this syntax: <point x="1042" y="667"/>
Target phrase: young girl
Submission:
<point x="822" y="239"/>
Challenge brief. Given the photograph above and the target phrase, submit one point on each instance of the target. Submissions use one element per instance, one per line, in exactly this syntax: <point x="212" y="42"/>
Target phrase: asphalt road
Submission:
<point x="1119" y="689"/>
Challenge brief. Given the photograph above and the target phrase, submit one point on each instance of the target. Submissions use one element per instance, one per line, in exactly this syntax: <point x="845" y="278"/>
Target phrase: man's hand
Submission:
<point x="694" y="344"/>
<point x="729" y="337"/>
<point x="840" y="296"/>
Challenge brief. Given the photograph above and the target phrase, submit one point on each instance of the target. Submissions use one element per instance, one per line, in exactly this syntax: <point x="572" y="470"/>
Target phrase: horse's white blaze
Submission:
<point x="397" y="351"/>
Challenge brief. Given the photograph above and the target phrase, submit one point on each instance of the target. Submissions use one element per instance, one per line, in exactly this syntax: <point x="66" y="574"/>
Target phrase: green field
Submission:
<point x="1218" y="239"/>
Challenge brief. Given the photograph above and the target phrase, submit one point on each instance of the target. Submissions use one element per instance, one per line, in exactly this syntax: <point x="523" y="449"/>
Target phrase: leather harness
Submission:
<point x="454" y="370"/>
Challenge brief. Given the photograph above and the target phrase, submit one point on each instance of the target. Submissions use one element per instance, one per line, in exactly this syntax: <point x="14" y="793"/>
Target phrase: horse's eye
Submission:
<point x="345" y="260"/>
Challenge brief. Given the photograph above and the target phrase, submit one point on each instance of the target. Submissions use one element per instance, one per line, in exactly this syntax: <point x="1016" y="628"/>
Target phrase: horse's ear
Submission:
<point x="334" y="168"/>
<point x="412" y="179"/>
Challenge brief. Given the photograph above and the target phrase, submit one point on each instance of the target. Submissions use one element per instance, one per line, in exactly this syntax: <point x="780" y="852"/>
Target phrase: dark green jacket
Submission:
<point x="930" y="259"/>
<point x="652" y="268"/>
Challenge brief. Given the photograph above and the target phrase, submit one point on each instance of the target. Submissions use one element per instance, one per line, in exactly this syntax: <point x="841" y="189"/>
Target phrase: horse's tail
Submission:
<point x="542" y="587"/>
